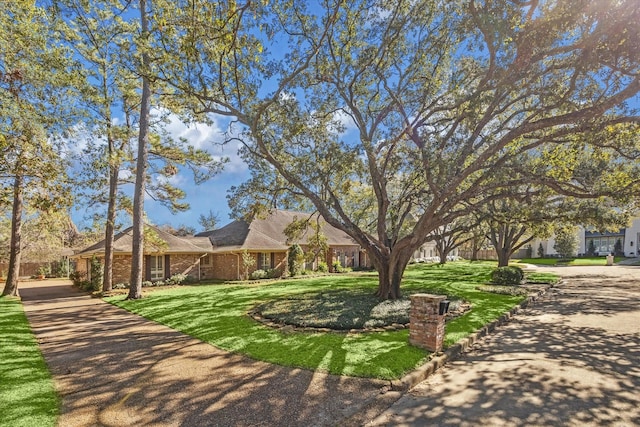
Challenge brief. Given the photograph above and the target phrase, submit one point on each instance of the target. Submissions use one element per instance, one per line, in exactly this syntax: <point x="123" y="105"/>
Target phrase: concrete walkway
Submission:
<point x="113" y="368"/>
<point x="572" y="359"/>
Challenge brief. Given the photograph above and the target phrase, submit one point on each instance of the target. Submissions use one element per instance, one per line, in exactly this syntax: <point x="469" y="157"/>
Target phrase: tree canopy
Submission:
<point x="37" y="95"/>
<point x="420" y="101"/>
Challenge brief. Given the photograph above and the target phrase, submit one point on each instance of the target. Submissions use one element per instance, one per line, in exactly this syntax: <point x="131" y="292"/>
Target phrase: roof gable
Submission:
<point x="123" y="243"/>
<point x="267" y="234"/>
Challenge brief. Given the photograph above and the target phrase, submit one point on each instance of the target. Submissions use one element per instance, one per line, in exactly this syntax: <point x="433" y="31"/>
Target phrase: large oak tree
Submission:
<point x="421" y="101"/>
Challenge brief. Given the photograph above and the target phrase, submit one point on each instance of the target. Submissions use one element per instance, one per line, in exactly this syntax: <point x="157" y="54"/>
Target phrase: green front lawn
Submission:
<point x="573" y="261"/>
<point x="27" y="395"/>
<point x="217" y="314"/>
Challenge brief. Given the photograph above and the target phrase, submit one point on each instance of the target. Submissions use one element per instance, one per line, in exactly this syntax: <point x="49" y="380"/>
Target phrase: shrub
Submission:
<point x="77" y="278"/>
<point x="147" y="283"/>
<point x="273" y="273"/>
<point x="509" y="275"/>
<point x="258" y="274"/>
<point x="44" y="270"/>
<point x="122" y="285"/>
<point x="176" y="279"/>
<point x="323" y="267"/>
<point x="62" y="269"/>
<point x="338" y="268"/>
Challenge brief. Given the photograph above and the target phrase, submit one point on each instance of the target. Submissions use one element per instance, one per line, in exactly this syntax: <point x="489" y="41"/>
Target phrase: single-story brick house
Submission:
<point x="265" y="240"/>
<point x="164" y="255"/>
<point x="218" y="254"/>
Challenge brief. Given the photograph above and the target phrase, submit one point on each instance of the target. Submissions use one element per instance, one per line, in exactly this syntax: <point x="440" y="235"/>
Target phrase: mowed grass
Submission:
<point x="217" y="314"/>
<point x="27" y="394"/>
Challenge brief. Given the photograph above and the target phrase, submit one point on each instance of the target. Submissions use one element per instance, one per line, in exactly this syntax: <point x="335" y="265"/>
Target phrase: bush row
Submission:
<point x="79" y="280"/>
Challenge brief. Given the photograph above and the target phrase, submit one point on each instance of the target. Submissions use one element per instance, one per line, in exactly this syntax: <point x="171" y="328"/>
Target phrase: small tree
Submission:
<point x="540" y="251"/>
<point x="617" y="248"/>
<point x="96" y="273"/>
<point x="295" y="259"/>
<point x="248" y="261"/>
<point x="566" y="241"/>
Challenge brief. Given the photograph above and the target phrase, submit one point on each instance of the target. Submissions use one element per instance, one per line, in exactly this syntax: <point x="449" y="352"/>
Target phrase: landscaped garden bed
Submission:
<point x="344" y="310"/>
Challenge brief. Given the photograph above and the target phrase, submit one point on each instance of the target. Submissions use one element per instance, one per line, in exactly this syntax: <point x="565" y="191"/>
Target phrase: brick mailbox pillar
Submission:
<point x="426" y="325"/>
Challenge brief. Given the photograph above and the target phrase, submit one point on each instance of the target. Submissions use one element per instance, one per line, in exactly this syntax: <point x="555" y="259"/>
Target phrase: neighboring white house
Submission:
<point x="601" y="243"/>
<point x="428" y="253"/>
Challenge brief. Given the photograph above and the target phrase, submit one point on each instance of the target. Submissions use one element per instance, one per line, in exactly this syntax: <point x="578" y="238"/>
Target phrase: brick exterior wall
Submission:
<point x="280" y="262"/>
<point x="122" y="269"/>
<point x="178" y="263"/>
<point x="229" y="266"/>
<point x="81" y="267"/>
<point x="224" y="267"/>
<point x="185" y="264"/>
<point x="426" y="325"/>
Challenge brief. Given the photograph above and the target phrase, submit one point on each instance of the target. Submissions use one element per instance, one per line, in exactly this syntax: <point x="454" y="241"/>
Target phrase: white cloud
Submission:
<point x="210" y="137"/>
<point x="77" y="140"/>
<point x="124" y="174"/>
<point x="345" y="119"/>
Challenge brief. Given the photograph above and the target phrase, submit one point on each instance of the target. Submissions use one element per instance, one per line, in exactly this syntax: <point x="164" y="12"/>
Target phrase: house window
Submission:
<point x="205" y="260"/>
<point x="157" y="267"/>
<point x="264" y="261"/>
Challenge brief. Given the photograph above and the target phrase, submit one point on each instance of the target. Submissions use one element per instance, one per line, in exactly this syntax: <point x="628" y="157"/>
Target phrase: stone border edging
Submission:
<point x="438" y="361"/>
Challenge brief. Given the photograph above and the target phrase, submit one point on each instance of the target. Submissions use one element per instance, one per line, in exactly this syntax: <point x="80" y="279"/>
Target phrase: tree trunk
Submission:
<point x="503" y="256"/>
<point x="114" y="170"/>
<point x="476" y="243"/>
<point x="11" y="285"/>
<point x="390" y="272"/>
<point x="137" y="256"/>
<point x="441" y="249"/>
<point x="107" y="280"/>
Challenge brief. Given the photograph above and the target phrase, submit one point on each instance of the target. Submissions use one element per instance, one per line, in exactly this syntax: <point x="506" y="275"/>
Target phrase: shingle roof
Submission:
<point x="123" y="242"/>
<point x="267" y="234"/>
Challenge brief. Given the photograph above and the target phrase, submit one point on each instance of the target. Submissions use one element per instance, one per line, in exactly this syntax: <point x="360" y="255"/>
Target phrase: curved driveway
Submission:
<point x="571" y="359"/>
<point x="114" y="368"/>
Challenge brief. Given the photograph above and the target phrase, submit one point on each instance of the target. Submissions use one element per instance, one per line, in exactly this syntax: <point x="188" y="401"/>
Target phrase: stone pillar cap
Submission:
<point x="432" y="296"/>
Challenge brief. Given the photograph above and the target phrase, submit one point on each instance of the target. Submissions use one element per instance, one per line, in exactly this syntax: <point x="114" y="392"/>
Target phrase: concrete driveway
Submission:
<point x="572" y="359"/>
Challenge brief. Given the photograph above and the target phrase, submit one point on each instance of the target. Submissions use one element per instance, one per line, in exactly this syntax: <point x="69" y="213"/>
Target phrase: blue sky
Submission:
<point x="208" y="196"/>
